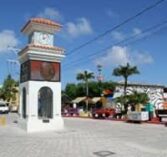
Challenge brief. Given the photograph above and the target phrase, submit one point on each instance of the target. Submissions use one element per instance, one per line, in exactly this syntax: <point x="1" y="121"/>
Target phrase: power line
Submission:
<point x="121" y="42"/>
<point x="115" y="27"/>
<point x="125" y="40"/>
<point x="144" y="32"/>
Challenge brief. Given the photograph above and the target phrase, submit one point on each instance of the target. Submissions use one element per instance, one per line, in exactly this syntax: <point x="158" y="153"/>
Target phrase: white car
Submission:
<point x="3" y="108"/>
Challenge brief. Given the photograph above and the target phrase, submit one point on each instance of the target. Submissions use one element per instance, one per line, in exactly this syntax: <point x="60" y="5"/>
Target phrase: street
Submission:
<point x="85" y="138"/>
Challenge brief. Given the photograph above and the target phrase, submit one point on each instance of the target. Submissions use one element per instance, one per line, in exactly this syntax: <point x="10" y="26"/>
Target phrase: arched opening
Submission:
<point x="45" y="103"/>
<point x="24" y="103"/>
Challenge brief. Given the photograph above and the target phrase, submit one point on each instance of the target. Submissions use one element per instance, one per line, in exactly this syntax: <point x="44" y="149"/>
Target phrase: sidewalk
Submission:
<point x="85" y="138"/>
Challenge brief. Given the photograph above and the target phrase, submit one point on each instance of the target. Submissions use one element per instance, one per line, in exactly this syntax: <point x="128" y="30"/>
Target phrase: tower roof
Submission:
<point x="41" y="24"/>
<point x="45" y="21"/>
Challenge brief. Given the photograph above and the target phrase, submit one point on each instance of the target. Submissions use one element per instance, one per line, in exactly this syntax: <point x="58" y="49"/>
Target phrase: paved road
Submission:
<point x="85" y="138"/>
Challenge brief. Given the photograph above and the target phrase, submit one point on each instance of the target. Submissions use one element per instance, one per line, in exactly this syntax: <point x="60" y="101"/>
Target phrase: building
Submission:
<point x="40" y="81"/>
<point x="155" y="92"/>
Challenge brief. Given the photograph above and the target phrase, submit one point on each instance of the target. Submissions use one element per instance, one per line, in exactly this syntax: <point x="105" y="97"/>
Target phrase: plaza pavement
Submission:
<point x="85" y="138"/>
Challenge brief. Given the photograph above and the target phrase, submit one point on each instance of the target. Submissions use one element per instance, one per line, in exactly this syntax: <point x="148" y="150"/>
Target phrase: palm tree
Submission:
<point x="86" y="76"/>
<point x="125" y="72"/>
<point x="137" y="99"/>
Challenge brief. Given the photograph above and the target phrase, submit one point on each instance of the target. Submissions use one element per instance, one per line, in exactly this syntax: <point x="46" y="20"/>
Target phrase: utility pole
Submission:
<point x="14" y="50"/>
<point x="13" y="64"/>
<point x="99" y="77"/>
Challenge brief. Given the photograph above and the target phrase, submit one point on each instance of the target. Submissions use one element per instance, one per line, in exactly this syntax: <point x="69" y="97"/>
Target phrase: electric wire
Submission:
<point x="117" y="26"/>
<point x="144" y="33"/>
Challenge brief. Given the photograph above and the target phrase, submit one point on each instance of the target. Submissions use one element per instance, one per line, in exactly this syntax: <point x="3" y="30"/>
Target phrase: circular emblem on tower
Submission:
<point x="47" y="71"/>
<point x="45" y="38"/>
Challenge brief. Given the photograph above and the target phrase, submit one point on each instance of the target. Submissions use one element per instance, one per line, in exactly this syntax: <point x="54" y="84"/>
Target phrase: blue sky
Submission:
<point x="83" y="20"/>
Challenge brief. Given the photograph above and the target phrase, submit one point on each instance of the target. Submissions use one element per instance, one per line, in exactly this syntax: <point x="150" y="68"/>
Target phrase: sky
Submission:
<point x="84" y="20"/>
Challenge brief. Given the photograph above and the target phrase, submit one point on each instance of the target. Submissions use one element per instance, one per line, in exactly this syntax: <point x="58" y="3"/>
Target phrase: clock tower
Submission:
<point x="40" y="81"/>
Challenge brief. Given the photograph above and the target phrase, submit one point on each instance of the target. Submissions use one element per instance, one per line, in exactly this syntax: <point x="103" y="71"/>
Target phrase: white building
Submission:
<point x="155" y="92"/>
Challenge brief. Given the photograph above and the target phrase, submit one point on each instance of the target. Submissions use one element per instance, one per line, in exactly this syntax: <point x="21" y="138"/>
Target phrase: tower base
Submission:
<point x="41" y="125"/>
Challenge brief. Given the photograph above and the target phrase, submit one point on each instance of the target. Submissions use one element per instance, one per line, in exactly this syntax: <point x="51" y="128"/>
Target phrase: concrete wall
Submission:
<point x="155" y="93"/>
<point x="33" y="123"/>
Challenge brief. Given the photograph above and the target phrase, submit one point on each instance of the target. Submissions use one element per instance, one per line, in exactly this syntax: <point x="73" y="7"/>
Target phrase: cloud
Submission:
<point x="8" y="39"/>
<point x="115" y="55"/>
<point x="81" y="27"/>
<point x="118" y="55"/>
<point x="117" y="35"/>
<point x="51" y="14"/>
<point x="143" y="58"/>
<point x="136" y="31"/>
<point x="111" y="14"/>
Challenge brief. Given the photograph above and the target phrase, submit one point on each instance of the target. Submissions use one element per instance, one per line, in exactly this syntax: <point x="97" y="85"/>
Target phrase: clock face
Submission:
<point x="47" y="71"/>
<point x="45" y="38"/>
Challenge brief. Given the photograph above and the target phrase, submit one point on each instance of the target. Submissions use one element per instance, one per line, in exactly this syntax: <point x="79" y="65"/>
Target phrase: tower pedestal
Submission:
<point x="40" y="125"/>
<point x="32" y="121"/>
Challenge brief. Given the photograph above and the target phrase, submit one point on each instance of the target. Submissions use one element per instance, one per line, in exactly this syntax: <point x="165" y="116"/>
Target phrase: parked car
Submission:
<point x="70" y="112"/>
<point x="161" y="114"/>
<point x="103" y="113"/>
<point x="3" y="107"/>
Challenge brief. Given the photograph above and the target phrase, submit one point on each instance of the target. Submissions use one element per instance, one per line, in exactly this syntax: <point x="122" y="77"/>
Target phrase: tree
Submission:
<point x="70" y="90"/>
<point x="2" y="94"/>
<point x="109" y="85"/>
<point x="8" y="90"/>
<point x="138" y="98"/>
<point x="78" y="90"/>
<point x="125" y="72"/>
<point x="134" y="99"/>
<point x="85" y="76"/>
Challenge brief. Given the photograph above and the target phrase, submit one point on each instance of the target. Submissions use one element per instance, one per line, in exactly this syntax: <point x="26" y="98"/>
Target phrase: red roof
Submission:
<point x="45" y="21"/>
<point x="42" y="21"/>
